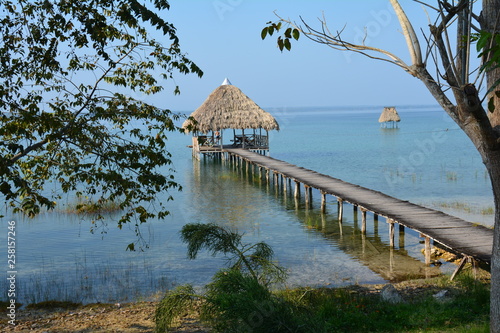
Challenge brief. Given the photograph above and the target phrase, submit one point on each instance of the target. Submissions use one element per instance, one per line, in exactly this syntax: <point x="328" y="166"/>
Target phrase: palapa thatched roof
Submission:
<point x="389" y="114"/>
<point x="228" y="107"/>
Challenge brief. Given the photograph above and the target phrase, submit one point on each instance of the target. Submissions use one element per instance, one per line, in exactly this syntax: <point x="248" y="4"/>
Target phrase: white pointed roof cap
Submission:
<point x="226" y="82"/>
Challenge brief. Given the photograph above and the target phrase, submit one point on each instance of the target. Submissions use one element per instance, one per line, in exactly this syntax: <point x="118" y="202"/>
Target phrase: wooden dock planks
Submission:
<point x="461" y="236"/>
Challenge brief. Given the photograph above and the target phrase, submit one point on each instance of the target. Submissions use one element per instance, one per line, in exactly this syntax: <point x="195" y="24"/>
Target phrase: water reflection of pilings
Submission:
<point x="347" y="232"/>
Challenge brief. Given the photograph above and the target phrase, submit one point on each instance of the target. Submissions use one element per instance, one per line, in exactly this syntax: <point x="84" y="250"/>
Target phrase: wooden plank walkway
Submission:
<point x="463" y="237"/>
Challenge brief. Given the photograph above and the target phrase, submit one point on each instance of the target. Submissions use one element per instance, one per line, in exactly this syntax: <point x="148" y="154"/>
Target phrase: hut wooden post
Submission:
<point x="260" y="139"/>
<point x="267" y="142"/>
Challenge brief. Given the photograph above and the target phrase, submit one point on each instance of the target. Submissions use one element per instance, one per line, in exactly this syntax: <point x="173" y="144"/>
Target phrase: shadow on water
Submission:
<point x="371" y="249"/>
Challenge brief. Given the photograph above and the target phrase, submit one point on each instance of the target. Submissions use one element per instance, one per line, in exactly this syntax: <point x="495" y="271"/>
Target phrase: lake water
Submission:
<point x="427" y="160"/>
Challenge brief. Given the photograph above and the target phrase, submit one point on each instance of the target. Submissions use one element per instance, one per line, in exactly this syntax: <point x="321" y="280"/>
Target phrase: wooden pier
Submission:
<point x="473" y="242"/>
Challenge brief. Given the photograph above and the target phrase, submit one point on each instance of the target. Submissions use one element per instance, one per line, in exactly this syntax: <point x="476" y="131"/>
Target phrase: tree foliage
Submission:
<point x="68" y="72"/>
<point x="282" y="41"/>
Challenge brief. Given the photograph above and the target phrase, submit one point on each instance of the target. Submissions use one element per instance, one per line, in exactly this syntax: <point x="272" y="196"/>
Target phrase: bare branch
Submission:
<point x="426" y="4"/>
<point x="335" y="41"/>
<point x="409" y="33"/>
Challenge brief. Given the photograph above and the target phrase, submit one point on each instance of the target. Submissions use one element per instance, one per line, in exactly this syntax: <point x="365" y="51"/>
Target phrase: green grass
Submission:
<point x="237" y="303"/>
<point x="49" y="305"/>
<point x="345" y="310"/>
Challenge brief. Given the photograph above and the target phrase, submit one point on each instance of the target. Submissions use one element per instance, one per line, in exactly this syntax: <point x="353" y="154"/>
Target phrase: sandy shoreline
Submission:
<point x="127" y="318"/>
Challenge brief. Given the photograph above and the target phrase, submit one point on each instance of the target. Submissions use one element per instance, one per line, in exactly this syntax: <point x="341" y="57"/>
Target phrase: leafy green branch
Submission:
<point x="284" y="41"/>
<point x="66" y="70"/>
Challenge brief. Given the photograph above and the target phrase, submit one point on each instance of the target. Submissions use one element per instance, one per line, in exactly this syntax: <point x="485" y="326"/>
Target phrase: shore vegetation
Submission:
<point x="246" y="298"/>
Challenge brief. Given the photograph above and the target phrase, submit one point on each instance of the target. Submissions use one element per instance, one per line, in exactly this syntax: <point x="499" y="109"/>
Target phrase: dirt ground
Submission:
<point x="98" y="318"/>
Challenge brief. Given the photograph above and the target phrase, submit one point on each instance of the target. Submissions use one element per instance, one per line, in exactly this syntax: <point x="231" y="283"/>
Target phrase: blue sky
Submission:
<point x="223" y="38"/>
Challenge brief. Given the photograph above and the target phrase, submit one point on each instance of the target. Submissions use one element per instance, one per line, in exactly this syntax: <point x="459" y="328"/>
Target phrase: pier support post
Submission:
<point x="363" y="221"/>
<point x="308" y="194"/>
<point x="297" y="189"/>
<point x="323" y="202"/>
<point x="401" y="236"/>
<point x="461" y="265"/>
<point x="391" y="232"/>
<point x="427" y="250"/>
<point x="341" y="208"/>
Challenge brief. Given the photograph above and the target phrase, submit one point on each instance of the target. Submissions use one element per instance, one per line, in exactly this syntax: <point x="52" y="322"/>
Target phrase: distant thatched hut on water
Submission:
<point x="389" y="116"/>
<point x="227" y="107"/>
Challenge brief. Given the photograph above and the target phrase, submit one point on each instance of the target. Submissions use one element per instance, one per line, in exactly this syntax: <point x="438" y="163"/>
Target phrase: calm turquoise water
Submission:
<point x="427" y="160"/>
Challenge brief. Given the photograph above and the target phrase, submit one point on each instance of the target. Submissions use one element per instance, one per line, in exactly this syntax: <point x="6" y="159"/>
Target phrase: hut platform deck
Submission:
<point x="218" y="148"/>
<point x="460" y="236"/>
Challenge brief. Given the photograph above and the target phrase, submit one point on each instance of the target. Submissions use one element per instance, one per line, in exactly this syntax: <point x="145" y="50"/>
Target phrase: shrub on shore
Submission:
<point x="240" y="298"/>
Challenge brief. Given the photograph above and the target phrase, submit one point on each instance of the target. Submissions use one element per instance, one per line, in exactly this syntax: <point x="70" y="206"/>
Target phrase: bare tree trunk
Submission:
<point x="490" y="22"/>
<point x="492" y="162"/>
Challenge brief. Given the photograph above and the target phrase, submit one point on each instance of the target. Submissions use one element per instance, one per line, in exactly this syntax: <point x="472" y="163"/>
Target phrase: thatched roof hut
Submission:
<point x="228" y="107"/>
<point x="389" y="115"/>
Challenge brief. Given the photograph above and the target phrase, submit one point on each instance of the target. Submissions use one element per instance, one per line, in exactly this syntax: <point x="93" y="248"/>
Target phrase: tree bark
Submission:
<point x="492" y="162"/>
<point x="490" y="22"/>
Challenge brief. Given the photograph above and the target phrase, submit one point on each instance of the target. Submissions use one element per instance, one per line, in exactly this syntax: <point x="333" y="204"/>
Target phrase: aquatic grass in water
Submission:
<point x="85" y="206"/>
<point x="89" y="283"/>
<point x="451" y="176"/>
<point x="464" y="206"/>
